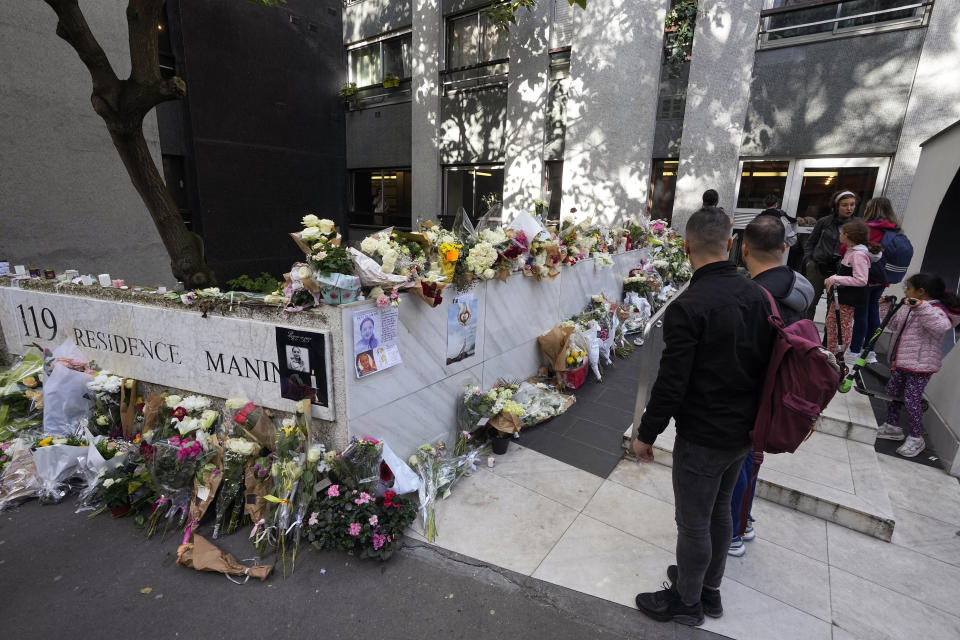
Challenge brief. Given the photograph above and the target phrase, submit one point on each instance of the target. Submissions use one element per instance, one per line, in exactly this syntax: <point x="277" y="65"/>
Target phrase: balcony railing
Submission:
<point x="475" y="76"/>
<point x="826" y="19"/>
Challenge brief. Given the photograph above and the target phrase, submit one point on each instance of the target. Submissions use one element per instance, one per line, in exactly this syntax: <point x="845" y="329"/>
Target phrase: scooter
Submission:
<point x="841" y="348"/>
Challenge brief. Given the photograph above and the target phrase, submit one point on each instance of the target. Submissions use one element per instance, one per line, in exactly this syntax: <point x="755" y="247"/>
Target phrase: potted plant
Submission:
<point x="390" y="80"/>
<point x="349" y="92"/>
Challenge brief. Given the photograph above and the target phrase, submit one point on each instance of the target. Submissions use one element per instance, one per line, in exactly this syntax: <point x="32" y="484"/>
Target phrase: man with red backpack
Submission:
<point x="717" y="348"/>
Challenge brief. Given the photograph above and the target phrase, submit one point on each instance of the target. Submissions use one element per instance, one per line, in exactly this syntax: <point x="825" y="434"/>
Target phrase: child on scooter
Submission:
<point x="919" y="326"/>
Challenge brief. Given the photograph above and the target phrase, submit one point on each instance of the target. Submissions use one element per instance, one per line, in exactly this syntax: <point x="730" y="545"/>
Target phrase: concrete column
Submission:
<point x="527" y="96"/>
<point x="425" y="104"/>
<point x="724" y="44"/>
<point x="611" y="108"/>
<point x="934" y="100"/>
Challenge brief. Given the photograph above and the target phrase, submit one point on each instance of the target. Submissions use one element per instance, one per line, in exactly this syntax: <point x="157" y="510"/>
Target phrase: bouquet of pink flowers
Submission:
<point x="173" y="466"/>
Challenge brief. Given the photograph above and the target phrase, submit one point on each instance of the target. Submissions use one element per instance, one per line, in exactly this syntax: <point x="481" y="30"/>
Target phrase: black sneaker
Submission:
<point x="709" y="598"/>
<point x="666" y="606"/>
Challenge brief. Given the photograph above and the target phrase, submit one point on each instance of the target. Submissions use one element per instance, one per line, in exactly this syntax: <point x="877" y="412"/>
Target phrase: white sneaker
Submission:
<point x="912" y="447"/>
<point x="872" y="357"/>
<point x="888" y="431"/>
<point x="850" y="358"/>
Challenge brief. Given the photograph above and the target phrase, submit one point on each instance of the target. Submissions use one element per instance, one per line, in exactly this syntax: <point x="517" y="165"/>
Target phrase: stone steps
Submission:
<point x="835" y="475"/>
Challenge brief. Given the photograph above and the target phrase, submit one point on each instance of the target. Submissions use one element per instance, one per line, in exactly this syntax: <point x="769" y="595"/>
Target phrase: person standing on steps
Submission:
<point x="918" y="328"/>
<point x="763" y="249"/>
<point x="717" y="347"/>
<point x="822" y="249"/>
<point x="772" y="209"/>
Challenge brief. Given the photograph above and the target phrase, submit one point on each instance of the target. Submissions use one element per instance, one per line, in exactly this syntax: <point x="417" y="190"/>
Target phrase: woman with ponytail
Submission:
<point x="918" y="327"/>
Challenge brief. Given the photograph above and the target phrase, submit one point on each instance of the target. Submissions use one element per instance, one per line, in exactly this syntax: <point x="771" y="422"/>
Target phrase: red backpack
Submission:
<point x="802" y="377"/>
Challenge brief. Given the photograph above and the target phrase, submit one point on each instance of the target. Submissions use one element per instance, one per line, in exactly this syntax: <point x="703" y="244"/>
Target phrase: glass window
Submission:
<point x="824" y="19"/>
<point x="473" y="40"/>
<point x="758" y="178"/>
<point x="820" y="183"/>
<point x="663" y="185"/>
<point x="381" y="197"/>
<point x="396" y="56"/>
<point x="473" y="188"/>
<point x="370" y="63"/>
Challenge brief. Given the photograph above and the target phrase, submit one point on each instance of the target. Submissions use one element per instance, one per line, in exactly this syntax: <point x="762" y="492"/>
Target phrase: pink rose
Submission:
<point x="383" y="301"/>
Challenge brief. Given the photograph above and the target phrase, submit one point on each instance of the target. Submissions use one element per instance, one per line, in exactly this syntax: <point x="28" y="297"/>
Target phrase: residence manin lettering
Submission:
<point x="127" y="345"/>
<point x="263" y="370"/>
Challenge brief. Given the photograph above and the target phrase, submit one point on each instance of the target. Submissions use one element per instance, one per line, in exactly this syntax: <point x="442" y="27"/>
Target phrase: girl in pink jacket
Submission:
<point x="852" y="279"/>
<point x="919" y="328"/>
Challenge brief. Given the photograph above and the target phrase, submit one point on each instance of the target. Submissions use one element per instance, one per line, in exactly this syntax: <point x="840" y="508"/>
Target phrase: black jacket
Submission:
<point x="717" y="345"/>
<point x="823" y="245"/>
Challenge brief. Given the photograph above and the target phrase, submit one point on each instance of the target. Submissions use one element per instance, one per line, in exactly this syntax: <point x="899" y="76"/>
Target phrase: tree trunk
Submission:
<point x="123" y="104"/>
<point x="184" y="247"/>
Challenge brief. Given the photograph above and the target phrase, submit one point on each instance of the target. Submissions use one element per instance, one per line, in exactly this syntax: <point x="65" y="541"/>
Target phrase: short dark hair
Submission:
<point x="711" y="198"/>
<point x="765" y="234"/>
<point x="708" y="230"/>
<point x="367" y="319"/>
<point x="770" y="200"/>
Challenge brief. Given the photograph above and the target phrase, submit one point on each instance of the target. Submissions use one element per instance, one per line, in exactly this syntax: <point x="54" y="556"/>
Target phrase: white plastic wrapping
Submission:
<point x="371" y="274"/>
<point x="405" y="479"/>
<point x="66" y="400"/>
<point x="56" y="465"/>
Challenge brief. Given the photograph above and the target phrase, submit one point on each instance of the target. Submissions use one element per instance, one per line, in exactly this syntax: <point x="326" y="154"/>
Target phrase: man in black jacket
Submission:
<point x="717" y="345"/>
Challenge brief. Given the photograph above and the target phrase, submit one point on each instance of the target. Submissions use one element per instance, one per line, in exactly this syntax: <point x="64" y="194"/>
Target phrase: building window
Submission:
<point x="671" y="107"/>
<point x="663" y="184"/>
<point x="477" y="52"/>
<point x="793" y="21"/>
<point x="380" y="197"/>
<point x="474" y="188"/>
<point x="757" y="179"/>
<point x="371" y="63"/>
<point x="556" y="120"/>
<point x="805" y="186"/>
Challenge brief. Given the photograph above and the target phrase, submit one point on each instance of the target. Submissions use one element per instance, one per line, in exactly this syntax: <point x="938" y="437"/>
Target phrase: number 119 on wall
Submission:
<point x="31" y="328"/>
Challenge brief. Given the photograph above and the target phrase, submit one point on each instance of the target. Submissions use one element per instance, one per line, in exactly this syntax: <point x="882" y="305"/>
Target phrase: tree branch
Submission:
<point x="143" y="18"/>
<point x="72" y="26"/>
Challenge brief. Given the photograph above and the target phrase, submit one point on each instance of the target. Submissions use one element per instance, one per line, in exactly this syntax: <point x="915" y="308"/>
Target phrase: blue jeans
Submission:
<point x="703" y="481"/>
<point x="866" y="319"/>
<point x="736" y="500"/>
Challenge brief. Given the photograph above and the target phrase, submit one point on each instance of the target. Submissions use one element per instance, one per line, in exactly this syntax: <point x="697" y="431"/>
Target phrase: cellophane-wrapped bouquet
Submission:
<point x="105" y="389"/>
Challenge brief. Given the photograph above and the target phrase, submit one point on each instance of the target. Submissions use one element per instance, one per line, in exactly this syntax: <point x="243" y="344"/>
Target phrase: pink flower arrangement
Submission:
<point x="355" y="529"/>
<point x="364" y="498"/>
<point x="313" y="519"/>
<point x="333" y="491"/>
<point x="373" y="521"/>
<point x="186" y="448"/>
<point x="658" y="227"/>
<point x="378" y="541"/>
<point x="383" y="301"/>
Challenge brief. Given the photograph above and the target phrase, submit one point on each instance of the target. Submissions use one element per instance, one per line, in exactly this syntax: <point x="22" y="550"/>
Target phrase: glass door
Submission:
<point x="813" y="181"/>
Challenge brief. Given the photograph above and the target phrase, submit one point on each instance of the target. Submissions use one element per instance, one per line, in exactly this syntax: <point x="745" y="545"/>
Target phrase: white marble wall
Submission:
<point x="415" y="402"/>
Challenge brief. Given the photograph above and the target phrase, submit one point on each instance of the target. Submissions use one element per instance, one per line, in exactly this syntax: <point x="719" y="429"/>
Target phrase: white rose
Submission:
<point x="310" y="233"/>
<point x="236" y="403"/>
<point x="173" y="401"/>
<point x="60" y="440"/>
<point x="103" y="420"/>
<point x="303" y="273"/>
<point x="369" y="245"/>
<point x="288" y="423"/>
<point x="310" y="220"/>
<point x="108" y="482"/>
<point x="325" y="226"/>
<point x="242" y="446"/>
<point x="489" y="274"/>
<point x="316" y="452"/>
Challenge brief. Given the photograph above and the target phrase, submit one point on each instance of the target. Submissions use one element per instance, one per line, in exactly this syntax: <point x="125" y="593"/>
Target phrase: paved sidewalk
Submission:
<point x="801" y="578"/>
